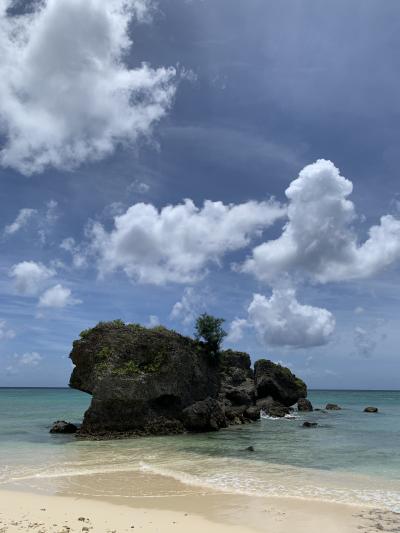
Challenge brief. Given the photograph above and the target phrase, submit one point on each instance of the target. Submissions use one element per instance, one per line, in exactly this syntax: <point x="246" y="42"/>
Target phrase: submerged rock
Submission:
<point x="250" y="449"/>
<point x="155" y="381"/>
<point x="304" y="405"/>
<point x="307" y="424"/>
<point x="371" y="410"/>
<point x="61" y="426"/>
<point x="332" y="407"/>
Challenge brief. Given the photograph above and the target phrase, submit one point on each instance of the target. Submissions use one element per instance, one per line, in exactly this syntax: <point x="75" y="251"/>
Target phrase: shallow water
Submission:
<point x="350" y="457"/>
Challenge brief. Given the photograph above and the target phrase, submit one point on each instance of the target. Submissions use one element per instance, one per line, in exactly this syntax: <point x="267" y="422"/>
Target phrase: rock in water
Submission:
<point x="371" y="410"/>
<point x="250" y="449"/>
<point x="61" y="426"/>
<point x="307" y="424"/>
<point x="156" y="381"/>
<point x="205" y="415"/>
<point x="304" y="405"/>
<point x="332" y="407"/>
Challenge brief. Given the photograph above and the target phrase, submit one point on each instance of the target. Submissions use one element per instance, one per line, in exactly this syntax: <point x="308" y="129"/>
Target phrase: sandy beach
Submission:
<point x="219" y="513"/>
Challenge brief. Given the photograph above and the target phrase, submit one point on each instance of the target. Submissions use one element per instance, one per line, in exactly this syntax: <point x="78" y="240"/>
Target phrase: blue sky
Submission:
<point x="120" y="119"/>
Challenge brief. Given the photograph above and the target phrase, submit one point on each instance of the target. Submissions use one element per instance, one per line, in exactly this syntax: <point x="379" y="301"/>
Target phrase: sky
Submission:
<point x="163" y="159"/>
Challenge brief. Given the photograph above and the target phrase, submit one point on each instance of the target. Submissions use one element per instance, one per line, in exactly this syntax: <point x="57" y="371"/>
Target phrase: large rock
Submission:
<point x="278" y="382"/>
<point x="141" y="379"/>
<point x="155" y="381"/>
<point x="205" y="415"/>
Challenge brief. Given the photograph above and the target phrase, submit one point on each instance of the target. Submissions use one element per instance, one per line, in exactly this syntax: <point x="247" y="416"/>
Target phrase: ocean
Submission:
<point x="350" y="457"/>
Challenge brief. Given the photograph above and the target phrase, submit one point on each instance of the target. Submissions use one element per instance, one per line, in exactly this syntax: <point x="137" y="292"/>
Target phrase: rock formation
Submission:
<point x="156" y="381"/>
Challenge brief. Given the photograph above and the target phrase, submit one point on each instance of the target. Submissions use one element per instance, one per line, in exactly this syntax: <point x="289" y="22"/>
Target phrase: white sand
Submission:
<point x="40" y="513"/>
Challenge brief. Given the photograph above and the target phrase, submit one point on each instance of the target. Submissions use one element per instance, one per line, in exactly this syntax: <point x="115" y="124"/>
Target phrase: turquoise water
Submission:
<point x="351" y="456"/>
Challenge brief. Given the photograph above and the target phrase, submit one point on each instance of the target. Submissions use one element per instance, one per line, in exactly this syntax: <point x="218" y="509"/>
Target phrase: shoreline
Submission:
<point x="184" y="509"/>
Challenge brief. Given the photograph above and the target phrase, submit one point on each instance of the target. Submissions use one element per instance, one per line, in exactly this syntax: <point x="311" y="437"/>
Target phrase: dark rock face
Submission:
<point x="332" y="407"/>
<point x="155" y="381"/>
<point x="274" y="380"/>
<point x="307" y="424"/>
<point x="304" y="405"/>
<point x="272" y="408"/>
<point x="205" y="415"/>
<point x="63" y="427"/>
<point x="371" y="410"/>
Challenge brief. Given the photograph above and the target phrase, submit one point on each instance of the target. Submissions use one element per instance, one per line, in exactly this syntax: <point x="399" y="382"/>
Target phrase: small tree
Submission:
<point x="210" y="330"/>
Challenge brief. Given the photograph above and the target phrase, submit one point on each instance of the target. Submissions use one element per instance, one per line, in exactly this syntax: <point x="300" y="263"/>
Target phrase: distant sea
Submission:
<point x="350" y="457"/>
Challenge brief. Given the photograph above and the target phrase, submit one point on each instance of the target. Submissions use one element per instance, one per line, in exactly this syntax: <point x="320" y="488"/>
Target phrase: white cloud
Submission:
<point x="29" y="277"/>
<point x="177" y="243"/>
<point x="79" y="259"/>
<point x="66" y="94"/>
<point x="138" y="186"/>
<point x="27" y="359"/>
<point x="359" y="310"/>
<point x="57" y="296"/>
<point x="48" y="220"/>
<point x="236" y="328"/>
<point x="282" y="321"/>
<point x="153" y="321"/>
<point x="319" y="240"/>
<point x="5" y="332"/>
<point x="192" y="304"/>
<point x="21" y="221"/>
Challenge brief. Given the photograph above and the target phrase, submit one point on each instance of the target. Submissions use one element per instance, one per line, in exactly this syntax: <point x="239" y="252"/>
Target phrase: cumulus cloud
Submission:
<point x="30" y="277"/>
<point x="23" y="217"/>
<point x="282" y="321"/>
<point x="236" y="328"/>
<point x="57" y="296"/>
<point x="319" y="240"/>
<point x="153" y="321"/>
<point x="190" y="306"/>
<point x="177" y="243"/>
<point x="66" y="94"/>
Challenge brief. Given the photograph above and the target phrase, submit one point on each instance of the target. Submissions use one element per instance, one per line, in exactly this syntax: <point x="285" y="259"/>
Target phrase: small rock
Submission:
<point x="307" y="424"/>
<point x="61" y="426"/>
<point x="332" y="407"/>
<point x="250" y="449"/>
<point x="304" y="405"/>
<point x="371" y="410"/>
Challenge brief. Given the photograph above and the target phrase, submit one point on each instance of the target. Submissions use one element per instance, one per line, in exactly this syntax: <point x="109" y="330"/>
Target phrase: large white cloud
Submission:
<point x="177" y="243"/>
<point x="282" y="321"/>
<point x="58" y="297"/>
<point x="319" y="240"/>
<point x="30" y="277"/>
<point x="66" y="95"/>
